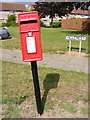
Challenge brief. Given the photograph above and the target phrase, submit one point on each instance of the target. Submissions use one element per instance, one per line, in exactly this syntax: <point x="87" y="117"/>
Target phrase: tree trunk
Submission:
<point x="51" y="21"/>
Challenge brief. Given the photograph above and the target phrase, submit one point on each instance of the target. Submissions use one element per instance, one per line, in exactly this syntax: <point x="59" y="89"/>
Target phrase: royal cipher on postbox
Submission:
<point x="29" y="29"/>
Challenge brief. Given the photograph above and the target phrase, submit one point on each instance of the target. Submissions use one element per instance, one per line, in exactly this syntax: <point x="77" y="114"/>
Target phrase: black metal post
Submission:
<point x="36" y="86"/>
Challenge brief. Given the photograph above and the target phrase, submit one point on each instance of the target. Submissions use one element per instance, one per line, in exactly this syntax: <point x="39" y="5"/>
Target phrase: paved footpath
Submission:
<point x="74" y="63"/>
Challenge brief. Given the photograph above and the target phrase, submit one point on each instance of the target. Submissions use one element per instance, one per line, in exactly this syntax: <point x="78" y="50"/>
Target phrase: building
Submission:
<point x="74" y="14"/>
<point x="9" y="9"/>
<point x="80" y="13"/>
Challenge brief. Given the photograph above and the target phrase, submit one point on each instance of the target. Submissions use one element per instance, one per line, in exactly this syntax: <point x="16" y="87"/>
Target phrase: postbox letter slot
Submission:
<point x="29" y="31"/>
<point x="30" y="21"/>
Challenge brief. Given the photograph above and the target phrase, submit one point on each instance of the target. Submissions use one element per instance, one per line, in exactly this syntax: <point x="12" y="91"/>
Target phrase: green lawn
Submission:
<point x="53" y="40"/>
<point x="62" y="92"/>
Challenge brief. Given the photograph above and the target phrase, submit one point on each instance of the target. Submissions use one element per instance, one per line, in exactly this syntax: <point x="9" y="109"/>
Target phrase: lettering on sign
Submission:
<point x="82" y="38"/>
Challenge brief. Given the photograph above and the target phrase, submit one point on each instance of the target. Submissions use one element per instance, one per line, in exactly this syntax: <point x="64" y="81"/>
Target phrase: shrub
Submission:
<point x="11" y="18"/>
<point x="14" y="24"/>
<point x="3" y="25"/>
<point x="60" y="19"/>
<point x="41" y="23"/>
<point x="56" y="24"/>
<point x="11" y="23"/>
<point x="73" y="18"/>
<point x="6" y="24"/>
<point x="46" y="26"/>
<point x="60" y="24"/>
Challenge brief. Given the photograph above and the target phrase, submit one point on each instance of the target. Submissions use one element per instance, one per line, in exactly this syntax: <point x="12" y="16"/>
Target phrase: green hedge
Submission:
<point x="6" y="24"/>
<point x="56" y="24"/>
<point x="73" y="18"/>
<point x="11" y="23"/>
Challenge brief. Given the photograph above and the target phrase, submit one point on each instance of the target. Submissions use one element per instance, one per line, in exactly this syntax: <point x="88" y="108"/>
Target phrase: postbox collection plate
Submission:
<point x="29" y="30"/>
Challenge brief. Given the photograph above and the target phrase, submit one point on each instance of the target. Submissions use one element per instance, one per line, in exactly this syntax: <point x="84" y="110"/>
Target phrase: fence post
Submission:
<point x="80" y="47"/>
<point x="69" y="46"/>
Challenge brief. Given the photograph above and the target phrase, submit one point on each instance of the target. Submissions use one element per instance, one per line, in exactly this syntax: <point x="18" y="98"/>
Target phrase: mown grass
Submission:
<point x="53" y="40"/>
<point x="58" y="87"/>
<point x="69" y="107"/>
<point x="13" y="43"/>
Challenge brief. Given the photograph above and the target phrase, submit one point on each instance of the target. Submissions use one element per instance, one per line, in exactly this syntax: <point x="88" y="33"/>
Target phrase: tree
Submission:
<point x="11" y="18"/>
<point x="60" y="8"/>
<point x="82" y="5"/>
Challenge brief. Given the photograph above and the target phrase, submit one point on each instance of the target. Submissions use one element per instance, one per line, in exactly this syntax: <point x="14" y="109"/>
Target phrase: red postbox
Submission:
<point x="29" y="29"/>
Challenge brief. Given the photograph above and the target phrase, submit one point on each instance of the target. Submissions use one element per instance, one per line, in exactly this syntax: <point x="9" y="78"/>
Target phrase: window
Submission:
<point x="1" y="11"/>
<point x="45" y="22"/>
<point x="75" y="15"/>
<point x="10" y="12"/>
<point x="15" y="12"/>
<point x="82" y="16"/>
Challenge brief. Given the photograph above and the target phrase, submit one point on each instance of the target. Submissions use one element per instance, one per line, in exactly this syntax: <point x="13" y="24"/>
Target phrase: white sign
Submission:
<point x="75" y="38"/>
<point x="31" y="47"/>
<point x="80" y="38"/>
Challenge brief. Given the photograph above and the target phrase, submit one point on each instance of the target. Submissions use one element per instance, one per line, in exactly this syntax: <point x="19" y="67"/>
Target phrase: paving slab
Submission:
<point x="53" y="59"/>
<point x="78" y="61"/>
<point x="56" y="64"/>
<point x="11" y="56"/>
<point x="74" y="63"/>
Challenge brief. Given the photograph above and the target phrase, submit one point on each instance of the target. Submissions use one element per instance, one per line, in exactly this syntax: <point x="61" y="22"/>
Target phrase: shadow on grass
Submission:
<point x="82" y="32"/>
<point x="6" y="38"/>
<point x="50" y="82"/>
<point x="76" y="48"/>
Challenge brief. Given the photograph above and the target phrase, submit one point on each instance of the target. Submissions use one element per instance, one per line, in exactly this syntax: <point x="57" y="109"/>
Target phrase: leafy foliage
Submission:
<point x="56" y="24"/>
<point x="73" y="18"/>
<point x="11" y="18"/>
<point x="14" y="24"/>
<point x="11" y="21"/>
<point x="6" y="24"/>
<point x="52" y="8"/>
<point x="82" y="5"/>
<point x="60" y="8"/>
<point x="41" y="23"/>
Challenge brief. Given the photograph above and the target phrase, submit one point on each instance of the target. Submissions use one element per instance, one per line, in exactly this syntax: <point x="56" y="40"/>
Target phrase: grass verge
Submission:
<point x="60" y="91"/>
<point x="53" y="40"/>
